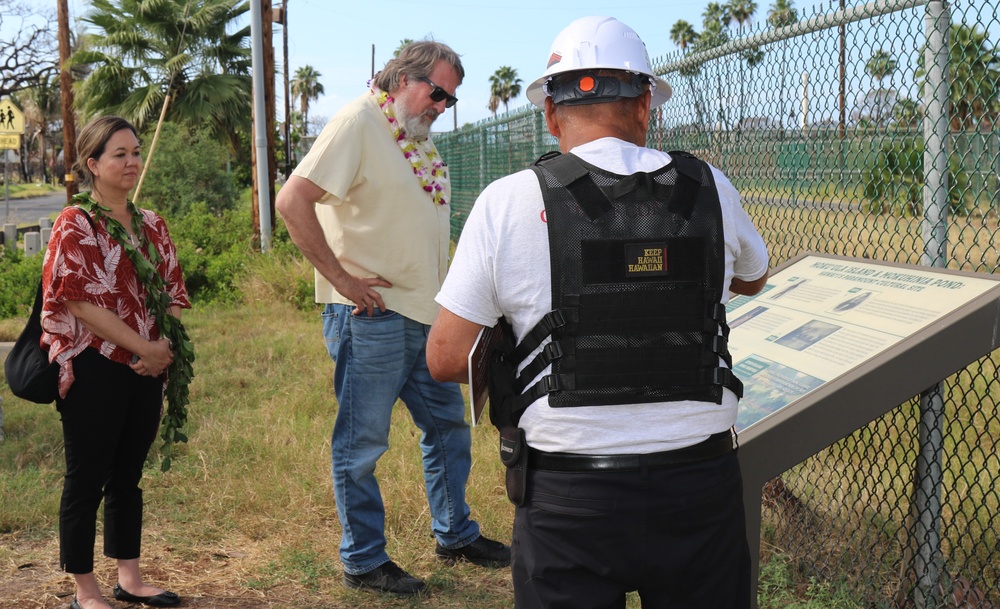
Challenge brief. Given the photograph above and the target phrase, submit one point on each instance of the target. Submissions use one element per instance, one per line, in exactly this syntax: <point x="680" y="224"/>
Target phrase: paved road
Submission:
<point x="19" y="211"/>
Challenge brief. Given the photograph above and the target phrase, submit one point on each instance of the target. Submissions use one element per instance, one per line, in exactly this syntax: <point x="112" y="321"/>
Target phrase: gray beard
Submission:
<point x="414" y="128"/>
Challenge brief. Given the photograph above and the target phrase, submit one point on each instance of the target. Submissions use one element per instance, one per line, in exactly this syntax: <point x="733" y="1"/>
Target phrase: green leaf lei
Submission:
<point x="158" y="301"/>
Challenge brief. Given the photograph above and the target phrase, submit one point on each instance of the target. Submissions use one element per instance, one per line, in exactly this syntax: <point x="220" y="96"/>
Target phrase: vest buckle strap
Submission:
<point x="718" y="312"/>
<point x="719" y="344"/>
<point x="726" y="378"/>
<point x="552" y="321"/>
<point x="550" y="383"/>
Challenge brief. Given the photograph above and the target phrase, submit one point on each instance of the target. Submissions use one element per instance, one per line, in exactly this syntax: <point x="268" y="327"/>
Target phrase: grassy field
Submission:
<point x="246" y="516"/>
<point x="23" y="191"/>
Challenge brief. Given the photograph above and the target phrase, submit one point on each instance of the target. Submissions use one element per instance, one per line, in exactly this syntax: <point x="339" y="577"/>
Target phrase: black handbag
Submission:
<point x="30" y="375"/>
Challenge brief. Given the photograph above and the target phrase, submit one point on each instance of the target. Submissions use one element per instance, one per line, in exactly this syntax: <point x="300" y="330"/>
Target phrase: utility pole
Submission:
<point x="66" y="90"/>
<point x="288" y="106"/>
<point x="263" y="194"/>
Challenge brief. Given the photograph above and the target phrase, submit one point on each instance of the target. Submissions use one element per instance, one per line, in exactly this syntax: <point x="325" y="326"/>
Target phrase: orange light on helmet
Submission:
<point x="586" y="84"/>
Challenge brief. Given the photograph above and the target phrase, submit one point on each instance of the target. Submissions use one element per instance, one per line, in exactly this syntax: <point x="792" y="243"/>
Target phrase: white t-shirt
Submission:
<point x="501" y="268"/>
<point x="377" y="218"/>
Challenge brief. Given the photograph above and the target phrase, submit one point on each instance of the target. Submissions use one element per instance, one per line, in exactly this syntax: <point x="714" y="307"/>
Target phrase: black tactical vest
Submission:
<point x="638" y="265"/>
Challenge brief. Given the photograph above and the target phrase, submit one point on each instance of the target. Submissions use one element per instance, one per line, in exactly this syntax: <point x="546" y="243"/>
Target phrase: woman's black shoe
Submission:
<point x="163" y="599"/>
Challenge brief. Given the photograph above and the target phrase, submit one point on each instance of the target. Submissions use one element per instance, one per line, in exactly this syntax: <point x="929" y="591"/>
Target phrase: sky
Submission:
<point x="336" y="36"/>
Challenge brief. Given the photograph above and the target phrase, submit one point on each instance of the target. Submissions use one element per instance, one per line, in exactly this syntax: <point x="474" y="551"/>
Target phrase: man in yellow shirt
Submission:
<point x="369" y="207"/>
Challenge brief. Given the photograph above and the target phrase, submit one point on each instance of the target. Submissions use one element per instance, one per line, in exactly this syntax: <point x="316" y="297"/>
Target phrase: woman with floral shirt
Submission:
<point x="113" y="359"/>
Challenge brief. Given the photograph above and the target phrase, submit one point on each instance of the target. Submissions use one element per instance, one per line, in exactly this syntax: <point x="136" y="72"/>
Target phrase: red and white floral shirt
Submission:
<point x="80" y="265"/>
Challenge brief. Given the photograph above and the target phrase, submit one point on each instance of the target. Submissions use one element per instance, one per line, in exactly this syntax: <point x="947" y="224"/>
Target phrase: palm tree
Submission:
<point x="505" y="85"/>
<point x="907" y="114"/>
<point x="683" y="35"/>
<point x="405" y="42"/>
<point x="306" y="87"/>
<point x="712" y="36"/>
<point x="42" y="105"/>
<point x="974" y="77"/>
<point x="782" y="14"/>
<point x="881" y="65"/>
<point x="715" y="16"/>
<point x="493" y="105"/>
<point x="178" y="51"/>
<point x="741" y="11"/>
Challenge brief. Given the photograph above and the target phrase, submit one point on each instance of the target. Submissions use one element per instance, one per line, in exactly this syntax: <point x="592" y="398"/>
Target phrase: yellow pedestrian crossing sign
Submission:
<point x="11" y="119"/>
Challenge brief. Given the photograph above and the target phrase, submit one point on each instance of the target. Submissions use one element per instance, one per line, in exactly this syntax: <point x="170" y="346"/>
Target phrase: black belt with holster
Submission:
<point x="715" y="446"/>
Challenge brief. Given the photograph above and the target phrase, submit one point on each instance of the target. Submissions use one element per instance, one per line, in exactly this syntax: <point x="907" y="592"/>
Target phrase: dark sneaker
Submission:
<point x="483" y="552"/>
<point x="387" y="577"/>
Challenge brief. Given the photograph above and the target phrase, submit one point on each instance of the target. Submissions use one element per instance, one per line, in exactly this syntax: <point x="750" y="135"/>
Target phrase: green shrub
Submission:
<point x="188" y="167"/>
<point x="894" y="183"/>
<point x="19" y="277"/>
<point x="213" y="249"/>
<point x="216" y="253"/>
<point x="221" y="263"/>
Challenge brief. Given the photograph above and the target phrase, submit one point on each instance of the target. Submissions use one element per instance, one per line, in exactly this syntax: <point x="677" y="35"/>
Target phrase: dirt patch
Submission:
<point x="247" y="577"/>
<point x="31" y="579"/>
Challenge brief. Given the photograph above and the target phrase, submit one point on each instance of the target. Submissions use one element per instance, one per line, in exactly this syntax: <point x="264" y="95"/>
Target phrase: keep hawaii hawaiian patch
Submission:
<point x="646" y="259"/>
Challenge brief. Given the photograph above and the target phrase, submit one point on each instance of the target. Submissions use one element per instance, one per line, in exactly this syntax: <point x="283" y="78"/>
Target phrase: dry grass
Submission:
<point x="789" y="231"/>
<point x="245" y="518"/>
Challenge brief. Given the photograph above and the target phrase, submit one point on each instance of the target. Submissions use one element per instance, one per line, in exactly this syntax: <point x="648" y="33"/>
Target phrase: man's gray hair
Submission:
<point x="417" y="60"/>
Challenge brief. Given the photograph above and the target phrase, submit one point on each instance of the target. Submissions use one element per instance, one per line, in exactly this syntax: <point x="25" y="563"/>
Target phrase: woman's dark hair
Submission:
<point x="417" y="60"/>
<point x="92" y="140"/>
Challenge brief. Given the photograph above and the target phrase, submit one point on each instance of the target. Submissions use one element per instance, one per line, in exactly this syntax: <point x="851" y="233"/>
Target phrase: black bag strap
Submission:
<point x="35" y="319"/>
<point x="90" y="221"/>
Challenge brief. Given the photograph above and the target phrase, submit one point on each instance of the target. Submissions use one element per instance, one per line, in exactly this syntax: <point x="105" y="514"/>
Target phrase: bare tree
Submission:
<point x="28" y="53"/>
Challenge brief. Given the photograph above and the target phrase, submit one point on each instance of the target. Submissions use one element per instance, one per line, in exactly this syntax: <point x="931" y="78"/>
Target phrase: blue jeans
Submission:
<point x="380" y="359"/>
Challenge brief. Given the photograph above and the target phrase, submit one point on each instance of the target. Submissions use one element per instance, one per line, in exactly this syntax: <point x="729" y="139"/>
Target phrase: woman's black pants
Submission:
<point x="110" y="417"/>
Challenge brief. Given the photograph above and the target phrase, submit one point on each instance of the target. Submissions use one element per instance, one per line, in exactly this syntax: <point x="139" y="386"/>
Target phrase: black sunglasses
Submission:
<point x="438" y="94"/>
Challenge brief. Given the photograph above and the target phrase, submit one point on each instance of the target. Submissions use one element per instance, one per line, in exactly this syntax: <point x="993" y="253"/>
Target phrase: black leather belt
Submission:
<point x="715" y="446"/>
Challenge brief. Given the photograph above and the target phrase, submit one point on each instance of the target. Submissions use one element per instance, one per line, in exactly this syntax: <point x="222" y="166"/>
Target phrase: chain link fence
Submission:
<point x="865" y="130"/>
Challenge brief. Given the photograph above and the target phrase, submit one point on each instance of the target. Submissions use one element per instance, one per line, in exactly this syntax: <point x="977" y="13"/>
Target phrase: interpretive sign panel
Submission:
<point x="833" y="343"/>
<point x="820" y="317"/>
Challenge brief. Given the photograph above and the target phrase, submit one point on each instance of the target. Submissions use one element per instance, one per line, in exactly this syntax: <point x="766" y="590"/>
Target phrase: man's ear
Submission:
<point x="642" y="114"/>
<point x="644" y="110"/>
<point x="551" y="119"/>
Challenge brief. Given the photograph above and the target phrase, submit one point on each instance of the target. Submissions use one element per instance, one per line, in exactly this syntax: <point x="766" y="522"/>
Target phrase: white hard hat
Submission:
<point x="595" y="43"/>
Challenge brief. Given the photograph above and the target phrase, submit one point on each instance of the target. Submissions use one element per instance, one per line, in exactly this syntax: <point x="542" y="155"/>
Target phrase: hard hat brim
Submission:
<point x="661" y="92"/>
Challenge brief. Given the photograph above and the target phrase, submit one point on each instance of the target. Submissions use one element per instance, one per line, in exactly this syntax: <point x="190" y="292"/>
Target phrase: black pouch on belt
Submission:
<point x="514" y="455"/>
